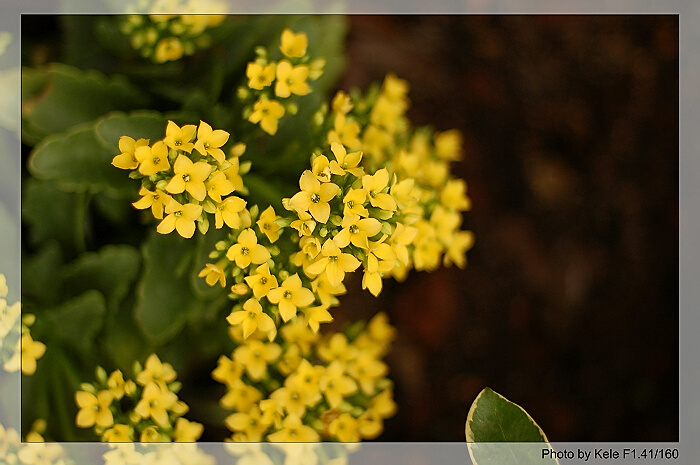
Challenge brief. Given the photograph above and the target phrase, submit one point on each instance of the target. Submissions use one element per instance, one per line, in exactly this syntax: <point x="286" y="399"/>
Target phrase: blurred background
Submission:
<point x="569" y="304"/>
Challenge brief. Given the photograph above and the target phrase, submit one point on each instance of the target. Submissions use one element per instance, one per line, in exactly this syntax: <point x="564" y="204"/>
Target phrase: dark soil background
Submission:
<point x="569" y="303"/>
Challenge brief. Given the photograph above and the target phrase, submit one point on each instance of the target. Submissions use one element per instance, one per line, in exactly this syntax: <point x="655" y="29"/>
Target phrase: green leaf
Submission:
<point x="41" y="283"/>
<point x="72" y="96"/>
<point x="51" y="213"/>
<point x="163" y="296"/>
<point x="78" y="161"/>
<point x="137" y="125"/>
<point x="111" y="271"/>
<point x="499" y="431"/>
<point x="75" y="323"/>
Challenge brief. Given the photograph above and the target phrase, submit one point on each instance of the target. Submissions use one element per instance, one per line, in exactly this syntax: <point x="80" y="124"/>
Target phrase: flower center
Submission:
<point x="178" y="214"/>
<point x="186" y="177"/>
<point x="156" y="160"/>
<point x="354" y="229"/>
<point x="315" y="198"/>
<point x="178" y="143"/>
<point x="287" y="295"/>
<point x="245" y="250"/>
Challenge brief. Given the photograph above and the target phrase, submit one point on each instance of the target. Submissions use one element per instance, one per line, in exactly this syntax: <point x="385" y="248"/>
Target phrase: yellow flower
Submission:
<point x="255" y="355"/>
<point x="219" y="185"/>
<point x="180" y="217"/>
<point x="151" y="434"/>
<point x="251" y="318"/>
<point x="380" y="259"/>
<point x="400" y="239"/>
<point x="155" y="402"/>
<point x="94" y="410"/>
<point x="290" y="296"/>
<point x="345" y="162"/>
<point x="314" y="197"/>
<point x="152" y="160"/>
<point x="229" y="212"/>
<point x="448" y="145"/>
<point x="168" y="49"/>
<point x="334" y="262"/>
<point x="259" y="75"/>
<point x="126" y="160"/>
<point x="366" y="370"/>
<point x="345" y="132"/>
<point x="240" y="396"/>
<point x="460" y="243"/>
<point x="293" y="430"/>
<point x="267" y="224"/>
<point x="342" y="103"/>
<point x="291" y="79"/>
<point x="156" y="371"/>
<point x="118" y="433"/>
<point x="293" y="45"/>
<point x="187" y="431"/>
<point x="320" y="167"/>
<point x="317" y="315"/>
<point x="213" y="273"/>
<point x="180" y="138"/>
<point x="267" y="113"/>
<point x="210" y="141"/>
<point x="357" y="230"/>
<point x="354" y="202"/>
<point x="247" y="250"/>
<point x="325" y="291"/>
<point x="262" y="281"/>
<point x="305" y="225"/>
<point x="118" y="387"/>
<point x="454" y="195"/>
<point x="337" y="348"/>
<point x="227" y="371"/>
<point x="335" y="385"/>
<point x="252" y="423"/>
<point x="427" y="249"/>
<point x="374" y="185"/>
<point x="345" y="427"/>
<point x="31" y="352"/>
<point x="189" y="177"/>
<point x="156" y="200"/>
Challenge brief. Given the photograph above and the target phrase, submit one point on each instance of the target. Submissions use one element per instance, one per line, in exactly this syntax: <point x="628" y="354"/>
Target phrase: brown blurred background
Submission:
<point x="569" y="304"/>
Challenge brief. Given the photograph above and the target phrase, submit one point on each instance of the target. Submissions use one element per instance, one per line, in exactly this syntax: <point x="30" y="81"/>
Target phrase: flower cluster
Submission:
<point x="147" y="410"/>
<point x="186" y="176"/>
<point x="166" y="37"/>
<point x="13" y="451"/>
<point x="305" y="388"/>
<point x="425" y="226"/>
<point x="155" y="454"/>
<point x="300" y="453"/>
<point x="270" y="80"/>
<point x="17" y="347"/>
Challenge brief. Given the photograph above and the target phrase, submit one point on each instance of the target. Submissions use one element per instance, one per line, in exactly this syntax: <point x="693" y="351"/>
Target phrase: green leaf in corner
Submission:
<point x="499" y="431"/>
<point x="72" y="96"/>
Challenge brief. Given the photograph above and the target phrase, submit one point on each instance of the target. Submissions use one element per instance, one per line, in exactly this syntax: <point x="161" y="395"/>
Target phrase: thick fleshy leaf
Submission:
<point x="74" y="323"/>
<point x="110" y="271"/>
<point x="51" y="214"/>
<point x="72" y="96"/>
<point x="499" y="431"/>
<point x="163" y="295"/>
<point x="137" y="125"/>
<point x="79" y="162"/>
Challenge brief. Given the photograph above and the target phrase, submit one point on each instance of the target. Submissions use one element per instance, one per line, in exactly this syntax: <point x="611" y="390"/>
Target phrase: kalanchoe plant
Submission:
<point x="231" y="213"/>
